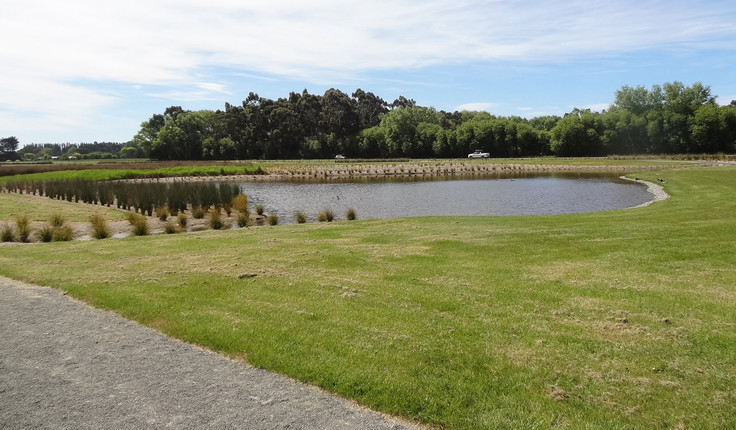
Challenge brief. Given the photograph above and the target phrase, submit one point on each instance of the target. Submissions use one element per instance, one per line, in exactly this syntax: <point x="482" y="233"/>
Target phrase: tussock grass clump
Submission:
<point x="300" y="217"/>
<point x="162" y="213"/>
<point x="132" y="217"/>
<point x="169" y="227"/>
<point x="140" y="228"/>
<point x="22" y="225"/>
<point x="326" y="216"/>
<point x="56" y="220"/>
<point x="240" y="203"/>
<point x="62" y="233"/>
<point x="351" y="215"/>
<point x="7" y="234"/>
<point x="259" y="210"/>
<point x="243" y="219"/>
<point x="216" y="220"/>
<point x="182" y="219"/>
<point x="198" y="212"/>
<point x="273" y="219"/>
<point x="46" y="233"/>
<point x="99" y="227"/>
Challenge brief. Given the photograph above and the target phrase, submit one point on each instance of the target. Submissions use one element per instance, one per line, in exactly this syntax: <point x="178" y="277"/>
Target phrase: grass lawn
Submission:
<point x="41" y="208"/>
<point x="619" y="319"/>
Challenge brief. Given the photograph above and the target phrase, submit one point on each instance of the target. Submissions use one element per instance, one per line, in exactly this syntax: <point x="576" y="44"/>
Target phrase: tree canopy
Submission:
<point x="668" y="118"/>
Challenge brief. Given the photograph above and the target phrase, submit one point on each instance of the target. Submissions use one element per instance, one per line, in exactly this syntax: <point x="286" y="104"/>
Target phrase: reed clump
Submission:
<point x="7" y="234"/>
<point x="169" y="227"/>
<point x="300" y="217"/>
<point x="351" y="215"/>
<point x="272" y="219"/>
<point x="326" y="216"/>
<point x="216" y="220"/>
<point x="182" y="219"/>
<point x="243" y="220"/>
<point x="100" y="230"/>
<point x="23" y="228"/>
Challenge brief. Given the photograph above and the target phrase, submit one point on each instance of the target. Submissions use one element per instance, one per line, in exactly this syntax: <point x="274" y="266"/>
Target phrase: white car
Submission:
<point x="479" y="154"/>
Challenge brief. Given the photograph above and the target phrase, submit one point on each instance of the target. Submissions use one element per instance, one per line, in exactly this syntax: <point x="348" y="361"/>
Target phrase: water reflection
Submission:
<point x="411" y="197"/>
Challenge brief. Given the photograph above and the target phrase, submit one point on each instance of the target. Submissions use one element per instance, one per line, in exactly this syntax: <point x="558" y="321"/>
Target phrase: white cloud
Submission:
<point x="59" y="48"/>
<point x="476" y="107"/>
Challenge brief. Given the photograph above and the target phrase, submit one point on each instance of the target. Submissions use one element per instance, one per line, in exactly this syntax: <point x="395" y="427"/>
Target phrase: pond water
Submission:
<point x="537" y="195"/>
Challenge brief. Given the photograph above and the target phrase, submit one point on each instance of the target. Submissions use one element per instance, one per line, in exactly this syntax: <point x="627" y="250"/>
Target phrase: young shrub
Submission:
<point x="169" y="227"/>
<point x="7" y="234"/>
<point x="99" y="227"/>
<point x="23" y="227"/>
<point x="259" y="210"/>
<point x="273" y="219"/>
<point x="162" y="213"/>
<point x="46" y="233"/>
<point x="56" y="220"/>
<point x="350" y="215"/>
<point x="240" y="203"/>
<point x="182" y="219"/>
<point x="301" y="218"/>
<point x="198" y="212"/>
<point x="243" y="220"/>
<point x="326" y="215"/>
<point x="132" y="217"/>
<point x="216" y="220"/>
<point x="62" y="234"/>
<point x="140" y="227"/>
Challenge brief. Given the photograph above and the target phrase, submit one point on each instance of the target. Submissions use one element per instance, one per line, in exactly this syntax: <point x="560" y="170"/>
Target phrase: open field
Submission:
<point x="620" y="319"/>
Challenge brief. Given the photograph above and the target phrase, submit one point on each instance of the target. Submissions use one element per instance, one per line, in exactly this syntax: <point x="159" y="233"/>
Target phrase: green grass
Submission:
<point x="41" y="208"/>
<point x="620" y="319"/>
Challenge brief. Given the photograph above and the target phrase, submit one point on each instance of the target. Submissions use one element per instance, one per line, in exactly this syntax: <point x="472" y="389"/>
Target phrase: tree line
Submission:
<point x="668" y="118"/>
<point x="664" y="119"/>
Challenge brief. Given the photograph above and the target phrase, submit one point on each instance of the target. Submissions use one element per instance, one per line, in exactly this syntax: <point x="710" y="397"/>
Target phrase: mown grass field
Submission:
<point x="42" y="208"/>
<point x="619" y="319"/>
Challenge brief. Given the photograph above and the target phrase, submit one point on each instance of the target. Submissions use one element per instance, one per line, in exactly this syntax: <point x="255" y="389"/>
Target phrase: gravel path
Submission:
<point x="66" y="365"/>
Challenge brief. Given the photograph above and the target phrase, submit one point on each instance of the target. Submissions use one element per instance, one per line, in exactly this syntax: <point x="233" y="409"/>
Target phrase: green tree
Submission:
<point x="578" y="134"/>
<point x="8" y="146"/>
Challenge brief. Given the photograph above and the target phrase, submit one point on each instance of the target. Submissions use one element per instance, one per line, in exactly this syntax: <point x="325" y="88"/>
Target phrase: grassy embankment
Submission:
<point x="619" y="319"/>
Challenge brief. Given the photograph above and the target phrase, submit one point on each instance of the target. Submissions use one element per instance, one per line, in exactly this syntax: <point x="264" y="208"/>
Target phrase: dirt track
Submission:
<point x="66" y="365"/>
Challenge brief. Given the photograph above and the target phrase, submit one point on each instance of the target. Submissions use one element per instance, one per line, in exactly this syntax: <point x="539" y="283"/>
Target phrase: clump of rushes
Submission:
<point x="240" y="203"/>
<point x="169" y="227"/>
<point x="162" y="213"/>
<point x="140" y="226"/>
<point x="99" y="226"/>
<point x="182" y="218"/>
<point x="7" y="234"/>
<point x="62" y="233"/>
<point x="273" y="219"/>
<point x="216" y="220"/>
<point x="243" y="219"/>
<point x="197" y="212"/>
<point x="350" y="215"/>
<point x="326" y="215"/>
<point x="46" y="233"/>
<point x="259" y="210"/>
<point x="56" y="220"/>
<point x="23" y="227"/>
<point x="301" y="218"/>
<point x="131" y="217"/>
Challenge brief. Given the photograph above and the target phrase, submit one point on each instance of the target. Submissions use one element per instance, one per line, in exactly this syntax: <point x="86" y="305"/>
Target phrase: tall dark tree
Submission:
<point x="8" y="148"/>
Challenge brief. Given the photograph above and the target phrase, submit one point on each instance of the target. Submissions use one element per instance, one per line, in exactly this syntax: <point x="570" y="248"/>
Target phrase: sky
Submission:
<point x="87" y="70"/>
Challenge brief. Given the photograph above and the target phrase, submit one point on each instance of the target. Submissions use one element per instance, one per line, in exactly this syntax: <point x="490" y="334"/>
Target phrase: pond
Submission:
<point x="537" y="195"/>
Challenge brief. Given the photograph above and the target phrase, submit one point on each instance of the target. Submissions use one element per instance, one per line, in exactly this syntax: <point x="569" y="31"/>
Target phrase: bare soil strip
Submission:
<point x="64" y="364"/>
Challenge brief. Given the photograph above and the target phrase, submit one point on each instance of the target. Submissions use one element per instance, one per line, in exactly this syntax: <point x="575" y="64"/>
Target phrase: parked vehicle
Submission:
<point x="479" y="154"/>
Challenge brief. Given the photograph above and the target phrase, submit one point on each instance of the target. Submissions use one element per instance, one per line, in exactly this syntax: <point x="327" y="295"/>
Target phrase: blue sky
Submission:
<point x="86" y="70"/>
